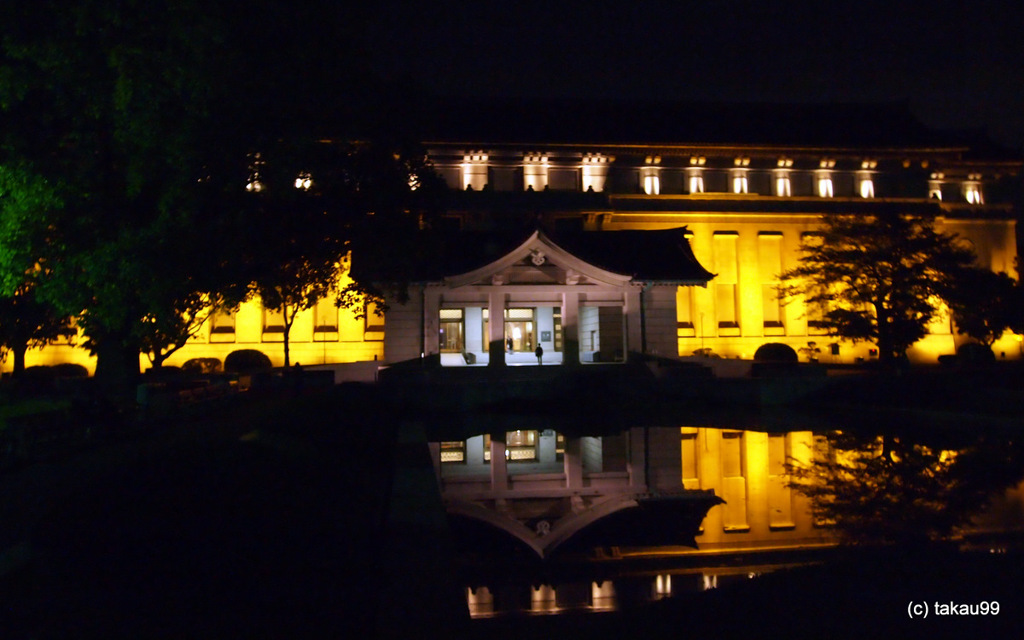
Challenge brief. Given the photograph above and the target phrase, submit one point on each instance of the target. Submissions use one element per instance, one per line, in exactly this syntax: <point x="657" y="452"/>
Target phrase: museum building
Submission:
<point x="742" y="185"/>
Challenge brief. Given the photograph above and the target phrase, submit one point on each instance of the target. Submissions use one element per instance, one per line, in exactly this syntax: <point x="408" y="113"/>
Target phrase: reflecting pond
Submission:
<point x="782" y="499"/>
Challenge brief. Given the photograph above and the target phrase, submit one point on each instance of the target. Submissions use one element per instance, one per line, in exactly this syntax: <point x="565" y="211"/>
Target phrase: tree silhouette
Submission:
<point x="985" y="304"/>
<point x="902" y="489"/>
<point x="877" y="278"/>
<point x="127" y="132"/>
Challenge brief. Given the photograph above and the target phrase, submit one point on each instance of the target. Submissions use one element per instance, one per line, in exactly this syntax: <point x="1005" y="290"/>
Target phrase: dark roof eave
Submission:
<point x="675" y="283"/>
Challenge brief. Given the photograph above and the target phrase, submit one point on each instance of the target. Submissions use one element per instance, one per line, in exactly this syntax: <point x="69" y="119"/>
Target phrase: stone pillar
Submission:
<point x="435" y="457"/>
<point x="499" y="466"/>
<point x="573" y="459"/>
<point x="637" y="458"/>
<point x="496" y="331"/>
<point x="570" y="328"/>
<point x="632" y="315"/>
<point x="431" y="319"/>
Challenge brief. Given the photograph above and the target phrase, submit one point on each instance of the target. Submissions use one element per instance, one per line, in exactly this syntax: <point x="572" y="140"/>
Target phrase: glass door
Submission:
<point x="451" y="324"/>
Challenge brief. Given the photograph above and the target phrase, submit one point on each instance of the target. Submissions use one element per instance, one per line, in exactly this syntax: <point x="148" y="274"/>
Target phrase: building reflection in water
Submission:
<point x="548" y="493"/>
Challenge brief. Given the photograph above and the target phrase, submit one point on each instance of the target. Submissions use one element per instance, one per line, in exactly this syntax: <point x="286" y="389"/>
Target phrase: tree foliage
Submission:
<point x="347" y="196"/>
<point x="898" y="489"/>
<point x="877" y="278"/>
<point x="129" y="130"/>
<point x="26" y="322"/>
<point x="985" y="304"/>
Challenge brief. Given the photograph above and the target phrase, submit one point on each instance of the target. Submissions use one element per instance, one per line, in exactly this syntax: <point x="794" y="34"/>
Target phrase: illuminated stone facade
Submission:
<point x="748" y="206"/>
<point x="747" y="182"/>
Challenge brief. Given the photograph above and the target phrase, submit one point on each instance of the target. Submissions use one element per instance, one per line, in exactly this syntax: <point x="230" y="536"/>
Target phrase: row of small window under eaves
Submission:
<point x="322" y="323"/>
<point x="652" y="176"/>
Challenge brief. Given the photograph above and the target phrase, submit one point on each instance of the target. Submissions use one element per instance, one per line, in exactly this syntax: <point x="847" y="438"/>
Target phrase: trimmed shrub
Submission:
<point x="202" y="365"/>
<point x="247" y="361"/>
<point x="165" y="371"/>
<point x="974" y="352"/>
<point x="69" y="370"/>
<point x="775" y="352"/>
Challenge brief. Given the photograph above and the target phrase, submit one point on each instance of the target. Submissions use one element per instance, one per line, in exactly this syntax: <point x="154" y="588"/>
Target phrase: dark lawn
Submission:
<point x="193" y="532"/>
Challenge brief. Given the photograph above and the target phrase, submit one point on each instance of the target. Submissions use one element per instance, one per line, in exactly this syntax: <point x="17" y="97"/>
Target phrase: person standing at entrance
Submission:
<point x="540" y="354"/>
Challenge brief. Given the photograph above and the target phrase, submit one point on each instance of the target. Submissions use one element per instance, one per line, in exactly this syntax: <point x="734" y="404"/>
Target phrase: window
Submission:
<point x="535" y="172"/>
<point x="739" y="176"/>
<point x="769" y="254"/>
<point x="972" y="189"/>
<point x="520" y="446"/>
<point x="734" y="482"/>
<point x="652" y="184"/>
<point x="725" y="306"/>
<point x="866" y="187"/>
<point x="783" y="186"/>
<point x="519" y="330"/>
<point x="690" y="457"/>
<point x="780" y="499"/>
<point x="325" y="320"/>
<point x="684" y="310"/>
<point x="222" y="326"/>
<point x="273" y="320"/>
<point x="935" y="186"/>
<point x="724" y="253"/>
<point x="454" y="451"/>
<point x="815" y="312"/>
<point x="595" y="171"/>
<point x="374" y="322"/>
<point x="474" y="171"/>
<point x="651" y="177"/>
<point x="739" y="183"/>
<point x="696" y="181"/>
<point x="273" y="325"/>
<point x="564" y="178"/>
<point x="452" y="330"/>
<point x="825" y="189"/>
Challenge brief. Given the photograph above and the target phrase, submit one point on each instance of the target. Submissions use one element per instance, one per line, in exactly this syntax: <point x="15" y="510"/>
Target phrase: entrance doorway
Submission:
<point x="452" y="327"/>
<point x="519" y="330"/>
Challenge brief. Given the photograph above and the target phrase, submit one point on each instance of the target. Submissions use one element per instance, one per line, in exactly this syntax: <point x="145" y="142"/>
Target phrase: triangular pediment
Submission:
<point x="539" y="261"/>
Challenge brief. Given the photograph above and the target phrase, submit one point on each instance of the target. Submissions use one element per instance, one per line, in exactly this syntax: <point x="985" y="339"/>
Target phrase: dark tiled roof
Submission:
<point x="586" y="122"/>
<point x="644" y="255"/>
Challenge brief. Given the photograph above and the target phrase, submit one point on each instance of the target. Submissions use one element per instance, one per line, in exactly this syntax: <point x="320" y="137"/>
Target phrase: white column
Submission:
<point x="573" y="459"/>
<point x="570" y="328"/>
<point x="637" y="458"/>
<point x="496" y="329"/>
<point x="631" y="311"/>
<point x="431" y="317"/>
<point x="499" y="467"/>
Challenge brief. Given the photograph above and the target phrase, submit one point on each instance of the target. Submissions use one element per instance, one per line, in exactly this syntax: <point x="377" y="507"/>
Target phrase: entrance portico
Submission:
<point x="542" y="298"/>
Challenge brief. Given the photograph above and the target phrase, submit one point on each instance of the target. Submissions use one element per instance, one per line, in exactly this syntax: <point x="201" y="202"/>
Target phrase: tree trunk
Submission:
<point x="117" y="366"/>
<point x="287" y="339"/>
<point x="19" y="358"/>
<point x="289" y="320"/>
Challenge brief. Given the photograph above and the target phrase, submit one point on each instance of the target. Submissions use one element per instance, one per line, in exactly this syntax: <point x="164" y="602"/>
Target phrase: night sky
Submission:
<point x="957" y="65"/>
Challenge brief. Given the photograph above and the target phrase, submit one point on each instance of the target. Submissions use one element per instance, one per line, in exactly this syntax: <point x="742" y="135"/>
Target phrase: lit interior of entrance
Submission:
<point x="452" y="324"/>
<point x="464" y="330"/>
